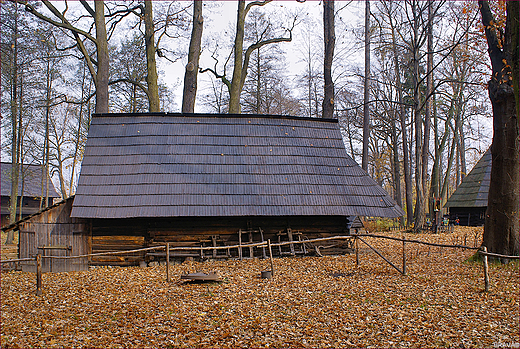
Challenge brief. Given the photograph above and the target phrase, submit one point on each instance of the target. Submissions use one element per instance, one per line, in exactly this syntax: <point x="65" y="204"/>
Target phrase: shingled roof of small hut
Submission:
<point x="32" y="181"/>
<point x="174" y="165"/>
<point x="474" y="189"/>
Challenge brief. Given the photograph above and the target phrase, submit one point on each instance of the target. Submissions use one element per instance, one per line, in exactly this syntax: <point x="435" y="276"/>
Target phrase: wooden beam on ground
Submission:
<point x="380" y="255"/>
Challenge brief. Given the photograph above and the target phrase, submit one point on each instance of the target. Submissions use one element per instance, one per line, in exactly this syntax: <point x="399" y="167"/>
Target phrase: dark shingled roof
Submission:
<point x="474" y="189"/>
<point x="32" y="186"/>
<point x="173" y="165"/>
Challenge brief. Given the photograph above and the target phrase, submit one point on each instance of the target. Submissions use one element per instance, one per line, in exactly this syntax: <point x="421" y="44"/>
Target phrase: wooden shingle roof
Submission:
<point x="474" y="188"/>
<point x="32" y="181"/>
<point x="173" y="165"/>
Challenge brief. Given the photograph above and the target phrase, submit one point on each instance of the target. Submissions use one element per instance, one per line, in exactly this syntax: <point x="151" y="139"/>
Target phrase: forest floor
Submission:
<point x="310" y="302"/>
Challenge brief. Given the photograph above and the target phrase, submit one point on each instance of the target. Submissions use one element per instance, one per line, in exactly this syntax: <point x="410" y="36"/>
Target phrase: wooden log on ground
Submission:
<point x="380" y="255"/>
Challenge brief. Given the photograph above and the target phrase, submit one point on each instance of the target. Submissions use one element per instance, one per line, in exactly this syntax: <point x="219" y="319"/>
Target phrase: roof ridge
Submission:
<point x="203" y="115"/>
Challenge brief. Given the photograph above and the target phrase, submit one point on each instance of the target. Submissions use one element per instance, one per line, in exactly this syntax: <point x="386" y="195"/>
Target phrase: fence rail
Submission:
<point x="17" y="260"/>
<point x="481" y="250"/>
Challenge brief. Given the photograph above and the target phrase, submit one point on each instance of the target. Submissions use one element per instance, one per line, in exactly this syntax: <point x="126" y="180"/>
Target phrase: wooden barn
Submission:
<point x="29" y="190"/>
<point x="216" y="180"/>
<point x="468" y="203"/>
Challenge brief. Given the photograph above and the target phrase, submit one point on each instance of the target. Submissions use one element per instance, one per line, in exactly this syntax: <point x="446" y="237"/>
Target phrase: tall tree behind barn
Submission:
<point x="502" y="226"/>
<point x="192" y="68"/>
<point x="329" y="38"/>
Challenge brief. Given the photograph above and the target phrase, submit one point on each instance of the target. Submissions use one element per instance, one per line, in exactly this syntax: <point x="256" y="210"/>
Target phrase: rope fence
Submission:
<point x="481" y="250"/>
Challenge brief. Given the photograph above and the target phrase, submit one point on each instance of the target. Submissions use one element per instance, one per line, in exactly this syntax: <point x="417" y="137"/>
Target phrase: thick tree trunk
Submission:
<point x="329" y="40"/>
<point x="419" y="214"/>
<point x="154" y="104"/>
<point x="429" y="104"/>
<point x="102" y="74"/>
<point x="192" y="68"/>
<point x="502" y="225"/>
<point x="404" y="132"/>
<point x="366" y="106"/>
<point x="234" y="93"/>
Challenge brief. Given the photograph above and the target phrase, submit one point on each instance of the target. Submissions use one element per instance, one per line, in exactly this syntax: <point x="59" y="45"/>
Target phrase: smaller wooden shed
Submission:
<point x="52" y="232"/>
<point x="468" y="204"/>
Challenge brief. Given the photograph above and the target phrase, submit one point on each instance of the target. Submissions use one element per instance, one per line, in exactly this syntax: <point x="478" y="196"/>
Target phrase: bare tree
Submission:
<point x="241" y="57"/>
<point x="98" y="68"/>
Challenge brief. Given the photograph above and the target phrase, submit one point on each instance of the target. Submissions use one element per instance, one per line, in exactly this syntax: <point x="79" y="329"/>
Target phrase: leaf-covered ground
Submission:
<point x="310" y="302"/>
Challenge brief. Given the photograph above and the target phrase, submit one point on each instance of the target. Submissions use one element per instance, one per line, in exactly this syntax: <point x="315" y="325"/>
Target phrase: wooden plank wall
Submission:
<point x="111" y="235"/>
<point x="51" y="230"/>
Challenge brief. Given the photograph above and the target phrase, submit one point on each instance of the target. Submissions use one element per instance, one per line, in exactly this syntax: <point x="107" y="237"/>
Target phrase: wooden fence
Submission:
<point x="267" y="244"/>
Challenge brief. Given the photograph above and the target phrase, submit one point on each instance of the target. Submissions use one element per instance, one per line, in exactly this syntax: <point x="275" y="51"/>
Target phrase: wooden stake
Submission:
<point x="38" y="274"/>
<point x="404" y="258"/>
<point x="167" y="262"/>
<point x="263" y="247"/>
<point x="240" y="244"/>
<point x="251" y="251"/>
<point x="290" y="237"/>
<point x="270" y="256"/>
<point x="214" y="242"/>
<point x="357" y="251"/>
<point x="486" y="269"/>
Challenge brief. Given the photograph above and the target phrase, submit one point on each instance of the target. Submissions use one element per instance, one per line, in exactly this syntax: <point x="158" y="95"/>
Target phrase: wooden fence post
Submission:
<point x="240" y="244"/>
<point x="270" y="256"/>
<point x="404" y="258"/>
<point x="486" y="269"/>
<point x="167" y="262"/>
<point x="38" y="274"/>
<point x="357" y="251"/>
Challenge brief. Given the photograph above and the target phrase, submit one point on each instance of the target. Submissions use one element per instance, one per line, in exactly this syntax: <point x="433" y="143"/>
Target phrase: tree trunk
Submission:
<point x="502" y="225"/>
<point x="462" y="152"/>
<point x="19" y="146"/>
<point x="234" y="94"/>
<point x="419" y="217"/>
<point x="102" y="74"/>
<point x="14" y="116"/>
<point x="429" y="104"/>
<point x="78" y="135"/>
<point x="366" y="106"/>
<point x="192" y="68"/>
<point x="154" y="104"/>
<point x="404" y="132"/>
<point x="46" y="154"/>
<point x="329" y="40"/>
<point x="396" y="165"/>
<point x="258" y="98"/>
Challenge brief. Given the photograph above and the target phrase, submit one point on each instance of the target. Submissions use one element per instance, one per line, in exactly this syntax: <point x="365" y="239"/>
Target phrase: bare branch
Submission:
<point x="88" y="8"/>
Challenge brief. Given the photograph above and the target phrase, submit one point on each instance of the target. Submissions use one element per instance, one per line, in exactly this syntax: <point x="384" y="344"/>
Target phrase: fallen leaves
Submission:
<point x="310" y="302"/>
